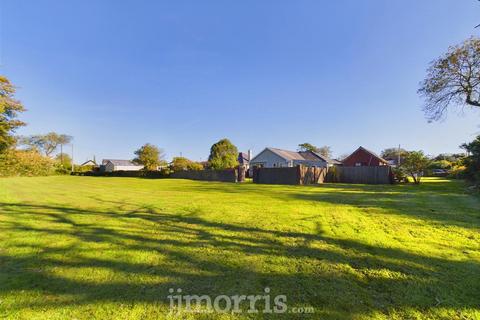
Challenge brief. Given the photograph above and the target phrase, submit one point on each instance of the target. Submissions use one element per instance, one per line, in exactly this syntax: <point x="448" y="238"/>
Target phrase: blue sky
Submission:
<point x="184" y="74"/>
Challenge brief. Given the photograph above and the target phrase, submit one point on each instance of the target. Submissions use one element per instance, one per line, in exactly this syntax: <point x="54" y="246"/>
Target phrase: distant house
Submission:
<point x="392" y="162"/>
<point x="364" y="158"/>
<point x="89" y="163"/>
<point x="110" y="165"/>
<point x="273" y="158"/>
<point x="244" y="159"/>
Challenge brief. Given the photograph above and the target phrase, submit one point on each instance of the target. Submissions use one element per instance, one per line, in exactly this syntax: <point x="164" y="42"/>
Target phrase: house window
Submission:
<point x="358" y="164"/>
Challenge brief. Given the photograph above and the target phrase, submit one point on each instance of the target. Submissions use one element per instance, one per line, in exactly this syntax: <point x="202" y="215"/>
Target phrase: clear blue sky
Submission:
<point x="183" y="74"/>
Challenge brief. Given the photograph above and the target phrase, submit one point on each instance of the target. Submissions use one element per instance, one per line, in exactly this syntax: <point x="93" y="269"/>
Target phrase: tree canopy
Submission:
<point x="452" y="79"/>
<point x="149" y="156"/>
<point x="47" y="143"/>
<point x="452" y="157"/>
<point x="307" y="147"/>
<point x="9" y="110"/>
<point x="414" y="163"/>
<point x="223" y="155"/>
<point x="393" y="154"/>
<point x="182" y="163"/>
<point x="325" y="151"/>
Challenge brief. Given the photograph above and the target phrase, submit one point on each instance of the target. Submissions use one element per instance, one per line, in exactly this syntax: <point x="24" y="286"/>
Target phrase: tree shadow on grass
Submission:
<point x="138" y="255"/>
<point x="443" y="202"/>
<point x="453" y="208"/>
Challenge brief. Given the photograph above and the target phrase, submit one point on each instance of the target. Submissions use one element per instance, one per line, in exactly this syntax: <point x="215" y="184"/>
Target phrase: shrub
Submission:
<point x="472" y="161"/>
<point x="62" y="170"/>
<point x="181" y="164"/>
<point x="399" y="175"/>
<point x="414" y="164"/>
<point x="457" y="172"/>
<point x="25" y="163"/>
<point x="86" y="168"/>
<point x="440" y="164"/>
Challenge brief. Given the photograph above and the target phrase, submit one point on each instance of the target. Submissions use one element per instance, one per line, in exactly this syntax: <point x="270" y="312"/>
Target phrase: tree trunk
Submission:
<point x="414" y="178"/>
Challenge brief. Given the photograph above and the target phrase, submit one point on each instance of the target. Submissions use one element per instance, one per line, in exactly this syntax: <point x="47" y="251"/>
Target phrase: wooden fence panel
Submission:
<point x="302" y="175"/>
<point x="363" y="175"/>
<point x="287" y="175"/>
<point x="312" y="175"/>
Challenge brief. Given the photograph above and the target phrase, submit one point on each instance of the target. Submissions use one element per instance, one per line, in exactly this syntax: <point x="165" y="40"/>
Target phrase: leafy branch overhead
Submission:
<point x="452" y="79"/>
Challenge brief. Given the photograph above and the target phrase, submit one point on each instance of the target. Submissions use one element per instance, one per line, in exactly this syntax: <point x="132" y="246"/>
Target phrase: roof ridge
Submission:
<point x="367" y="150"/>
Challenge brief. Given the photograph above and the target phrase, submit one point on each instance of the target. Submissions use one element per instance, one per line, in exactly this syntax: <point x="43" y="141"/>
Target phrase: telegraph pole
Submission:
<point x="398" y="154"/>
<point x="61" y="155"/>
<point x="73" y="163"/>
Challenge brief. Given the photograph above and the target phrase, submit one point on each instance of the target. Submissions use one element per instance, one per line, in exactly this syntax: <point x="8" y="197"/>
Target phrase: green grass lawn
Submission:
<point x="97" y="248"/>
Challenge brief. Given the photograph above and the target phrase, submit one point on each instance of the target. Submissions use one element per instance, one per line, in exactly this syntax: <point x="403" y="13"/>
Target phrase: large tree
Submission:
<point x="413" y="164"/>
<point x="47" y="143"/>
<point x="453" y="79"/>
<point x="9" y="110"/>
<point x="149" y="156"/>
<point x="307" y="147"/>
<point x="325" y="151"/>
<point x="223" y="155"/>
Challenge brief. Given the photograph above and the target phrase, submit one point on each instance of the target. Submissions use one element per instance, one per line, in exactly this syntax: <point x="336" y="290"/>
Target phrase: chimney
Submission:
<point x="249" y="154"/>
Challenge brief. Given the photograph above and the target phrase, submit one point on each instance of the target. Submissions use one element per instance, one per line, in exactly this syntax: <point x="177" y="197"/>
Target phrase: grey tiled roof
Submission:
<point x="122" y="163"/>
<point x="287" y="155"/>
<point x="327" y="159"/>
<point x="302" y="155"/>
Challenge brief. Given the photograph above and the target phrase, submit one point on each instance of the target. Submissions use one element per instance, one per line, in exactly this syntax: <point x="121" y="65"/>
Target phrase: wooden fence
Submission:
<point x="302" y="175"/>
<point x="289" y="175"/>
<point x="365" y="175"/>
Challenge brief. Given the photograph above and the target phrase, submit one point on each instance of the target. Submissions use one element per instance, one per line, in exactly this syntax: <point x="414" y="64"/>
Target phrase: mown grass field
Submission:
<point x="110" y="248"/>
